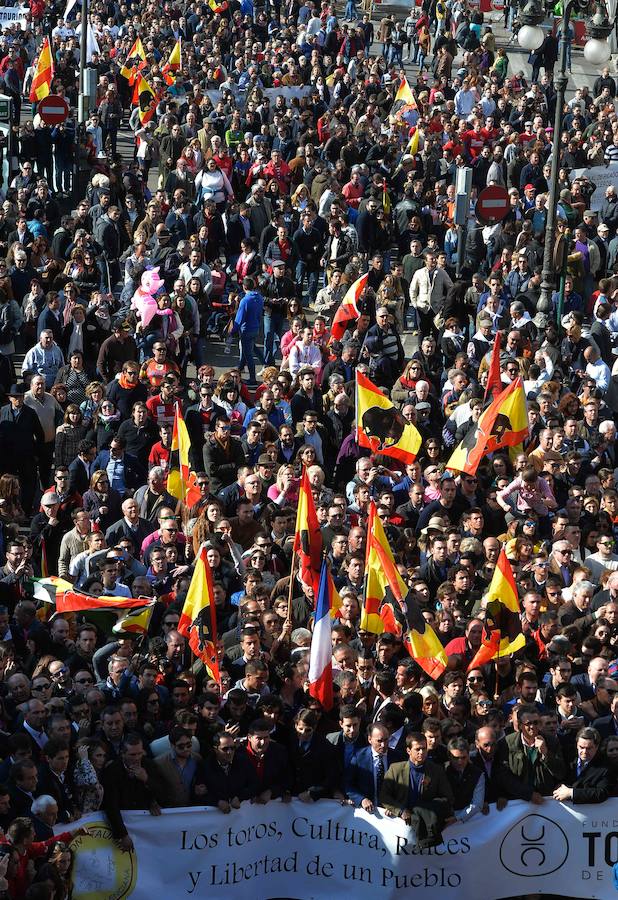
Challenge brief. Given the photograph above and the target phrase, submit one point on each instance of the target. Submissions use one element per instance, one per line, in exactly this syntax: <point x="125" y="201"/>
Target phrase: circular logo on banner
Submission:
<point x="534" y="846"/>
<point x="101" y="871"/>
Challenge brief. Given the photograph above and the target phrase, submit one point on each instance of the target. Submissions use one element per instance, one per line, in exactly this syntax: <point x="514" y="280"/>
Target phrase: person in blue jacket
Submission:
<point x="247" y="324"/>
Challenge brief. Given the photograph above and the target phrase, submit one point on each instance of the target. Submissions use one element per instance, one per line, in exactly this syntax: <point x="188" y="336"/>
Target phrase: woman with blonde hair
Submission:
<point x="95" y="391"/>
<point x="284" y="492"/>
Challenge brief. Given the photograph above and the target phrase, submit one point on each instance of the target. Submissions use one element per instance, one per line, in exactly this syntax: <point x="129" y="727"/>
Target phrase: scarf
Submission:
<point x="124" y="383"/>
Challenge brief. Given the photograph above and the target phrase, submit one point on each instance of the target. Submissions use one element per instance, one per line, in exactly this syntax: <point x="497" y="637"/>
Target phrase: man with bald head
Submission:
<point x="500" y="783"/>
<point x="586" y="682"/>
<point x="132" y="525"/>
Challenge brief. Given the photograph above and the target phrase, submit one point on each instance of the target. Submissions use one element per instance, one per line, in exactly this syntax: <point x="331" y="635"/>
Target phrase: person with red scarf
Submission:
<point x="279" y="249"/>
<point x="269" y="760"/>
<point x="278" y="169"/>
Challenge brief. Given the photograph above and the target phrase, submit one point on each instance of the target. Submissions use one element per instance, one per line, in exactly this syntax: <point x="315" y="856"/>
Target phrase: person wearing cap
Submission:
<point x="21" y="439"/>
<point x="277" y="289"/>
<point x="46" y="533"/>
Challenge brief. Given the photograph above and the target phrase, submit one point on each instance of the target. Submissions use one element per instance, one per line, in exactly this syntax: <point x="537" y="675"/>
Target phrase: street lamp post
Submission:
<point x="596" y="51"/>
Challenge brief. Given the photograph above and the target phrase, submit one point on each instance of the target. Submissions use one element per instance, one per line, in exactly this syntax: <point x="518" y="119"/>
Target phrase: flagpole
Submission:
<point x="291" y="586"/>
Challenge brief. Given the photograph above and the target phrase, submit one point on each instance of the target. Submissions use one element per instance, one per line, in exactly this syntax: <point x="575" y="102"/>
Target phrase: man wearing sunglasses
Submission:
<point x="605" y="559"/>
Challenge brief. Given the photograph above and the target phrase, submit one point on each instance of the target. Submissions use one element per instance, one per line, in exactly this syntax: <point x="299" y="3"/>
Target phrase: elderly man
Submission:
<point x="50" y="415"/>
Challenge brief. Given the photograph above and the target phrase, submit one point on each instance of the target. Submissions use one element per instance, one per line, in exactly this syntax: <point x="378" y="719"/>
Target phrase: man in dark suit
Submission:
<point x="364" y="776"/>
<point x="313" y="761"/>
<point x="585" y="682"/>
<point x="228" y="776"/>
<point x="129" y="783"/>
<point x="588" y="780"/>
<point x="21" y="439"/>
<point x="348" y="740"/>
<point x="81" y="468"/>
<point x="269" y="760"/>
<point x="416" y="782"/>
<point x="607" y="726"/>
<point x="54" y="781"/>
<point x="23" y="780"/>
<point x="500" y="783"/>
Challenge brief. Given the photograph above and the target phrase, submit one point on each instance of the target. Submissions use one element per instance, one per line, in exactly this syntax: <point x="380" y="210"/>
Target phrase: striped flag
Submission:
<point x="308" y="537"/>
<point x="136" y="51"/>
<point x="74" y="601"/>
<point x="173" y="64"/>
<point x="146" y="100"/>
<point x="44" y="73"/>
<point x="320" y="660"/>
<point x="349" y="310"/>
<point x="404" y="93"/>
<point x="136" y="621"/>
<point x="181" y="481"/>
<point x="198" y="619"/>
<point x="380" y="426"/>
<point x="503" y="611"/>
<point x="503" y="424"/>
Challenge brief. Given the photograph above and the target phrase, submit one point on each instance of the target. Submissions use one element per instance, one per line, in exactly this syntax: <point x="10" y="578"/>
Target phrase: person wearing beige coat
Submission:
<point x="428" y="291"/>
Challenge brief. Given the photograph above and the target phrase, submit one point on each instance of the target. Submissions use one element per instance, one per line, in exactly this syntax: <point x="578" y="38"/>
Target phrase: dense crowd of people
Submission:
<point x="284" y="171"/>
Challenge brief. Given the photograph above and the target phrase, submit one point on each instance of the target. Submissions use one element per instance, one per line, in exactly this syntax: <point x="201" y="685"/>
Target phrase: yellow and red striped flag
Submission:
<point x="380" y="426"/>
<point x="146" y="99"/>
<point x="198" y="619"/>
<point x="173" y="64"/>
<point x="137" y="50"/>
<point x="348" y="308"/>
<point x="404" y="93"/>
<point x="44" y="73"/>
<point x="308" y="537"/>
<point x="181" y="481"/>
<point x="503" y="612"/>
<point x="503" y="424"/>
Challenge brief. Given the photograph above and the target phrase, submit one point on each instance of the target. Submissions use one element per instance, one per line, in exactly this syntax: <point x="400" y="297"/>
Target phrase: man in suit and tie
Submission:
<point x="81" y="469"/>
<point x="416" y="782"/>
<point x="585" y="682"/>
<point x="588" y="780"/>
<point x="364" y="777"/>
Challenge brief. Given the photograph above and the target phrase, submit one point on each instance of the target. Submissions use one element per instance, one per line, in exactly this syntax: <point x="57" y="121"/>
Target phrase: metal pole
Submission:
<point x="548" y="282"/>
<point x="82" y="113"/>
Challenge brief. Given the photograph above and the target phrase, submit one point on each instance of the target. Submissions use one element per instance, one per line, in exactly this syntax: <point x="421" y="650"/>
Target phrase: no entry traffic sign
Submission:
<point x="53" y="109"/>
<point x="492" y="205"/>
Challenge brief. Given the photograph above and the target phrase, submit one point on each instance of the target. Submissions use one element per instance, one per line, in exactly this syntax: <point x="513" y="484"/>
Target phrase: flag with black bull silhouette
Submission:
<point x="380" y="426"/>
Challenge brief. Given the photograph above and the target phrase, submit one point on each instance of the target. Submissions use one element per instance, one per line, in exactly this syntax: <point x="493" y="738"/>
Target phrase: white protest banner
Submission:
<point x="601" y="177"/>
<point x="323" y="850"/>
<point x="11" y="14"/>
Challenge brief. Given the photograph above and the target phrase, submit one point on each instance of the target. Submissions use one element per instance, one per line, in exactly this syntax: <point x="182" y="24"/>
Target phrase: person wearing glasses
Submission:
<point x="536" y="760"/>
<point x="116" y="351"/>
<point x="178" y="771"/>
<point x="604" y="560"/>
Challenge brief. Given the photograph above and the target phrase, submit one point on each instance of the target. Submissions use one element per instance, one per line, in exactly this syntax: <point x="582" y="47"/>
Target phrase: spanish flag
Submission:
<point x="380" y="426"/>
<point x="173" y="64"/>
<point x="380" y="613"/>
<point x="218" y="7"/>
<point x="136" y="51"/>
<point x="136" y="621"/>
<point x="349" y="310"/>
<point x="404" y="93"/>
<point x="502" y="605"/>
<point x="422" y="642"/>
<point x="198" y="619"/>
<point x="44" y="73"/>
<point x="412" y="147"/>
<point x="380" y="574"/>
<point x="146" y="100"/>
<point x="181" y="482"/>
<point x="503" y="424"/>
<point x="308" y="537"/>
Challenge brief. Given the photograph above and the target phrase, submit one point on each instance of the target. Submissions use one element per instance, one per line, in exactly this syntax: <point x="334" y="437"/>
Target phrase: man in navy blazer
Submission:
<point x="363" y="778"/>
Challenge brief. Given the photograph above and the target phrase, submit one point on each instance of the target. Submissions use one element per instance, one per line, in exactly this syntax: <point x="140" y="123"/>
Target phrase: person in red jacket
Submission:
<point x="21" y="835"/>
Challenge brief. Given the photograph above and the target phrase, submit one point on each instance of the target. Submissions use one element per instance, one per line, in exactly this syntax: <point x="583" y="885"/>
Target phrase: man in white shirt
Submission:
<point x="305" y="353"/>
<point x="604" y="559"/>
